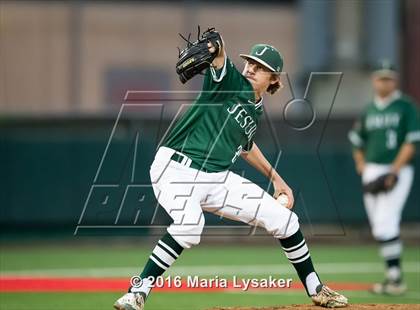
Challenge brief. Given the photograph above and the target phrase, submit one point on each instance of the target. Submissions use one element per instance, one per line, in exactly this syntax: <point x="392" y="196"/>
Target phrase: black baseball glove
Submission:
<point x="196" y="57"/>
<point x="383" y="183"/>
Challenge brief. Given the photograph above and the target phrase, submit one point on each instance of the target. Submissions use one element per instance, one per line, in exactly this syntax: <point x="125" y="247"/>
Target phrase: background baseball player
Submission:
<point x="383" y="141"/>
<point x="190" y="173"/>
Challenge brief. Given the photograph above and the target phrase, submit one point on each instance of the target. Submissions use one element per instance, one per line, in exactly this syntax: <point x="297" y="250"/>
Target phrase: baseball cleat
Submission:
<point x="130" y="301"/>
<point x="388" y="287"/>
<point x="328" y="298"/>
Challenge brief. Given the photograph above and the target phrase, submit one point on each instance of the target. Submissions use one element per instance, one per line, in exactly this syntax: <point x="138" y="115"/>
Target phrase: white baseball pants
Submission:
<point x="185" y="193"/>
<point x="384" y="210"/>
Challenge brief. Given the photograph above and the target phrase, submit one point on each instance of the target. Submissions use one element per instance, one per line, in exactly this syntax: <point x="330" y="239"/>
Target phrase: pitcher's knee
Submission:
<point x="187" y="235"/>
<point x="380" y="232"/>
<point x="286" y="227"/>
<point x="187" y="241"/>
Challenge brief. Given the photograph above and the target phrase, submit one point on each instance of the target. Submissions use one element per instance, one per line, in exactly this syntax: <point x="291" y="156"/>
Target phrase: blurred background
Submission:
<point x="72" y="158"/>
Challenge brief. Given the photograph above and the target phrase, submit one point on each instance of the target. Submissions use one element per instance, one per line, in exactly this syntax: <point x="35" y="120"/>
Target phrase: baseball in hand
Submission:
<point x="283" y="200"/>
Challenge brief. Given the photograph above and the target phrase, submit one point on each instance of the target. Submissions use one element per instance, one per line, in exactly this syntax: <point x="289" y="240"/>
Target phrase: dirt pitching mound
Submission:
<point x="312" y="307"/>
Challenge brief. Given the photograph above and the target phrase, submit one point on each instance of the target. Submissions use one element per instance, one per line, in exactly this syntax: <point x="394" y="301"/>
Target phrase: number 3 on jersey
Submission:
<point x="391" y="139"/>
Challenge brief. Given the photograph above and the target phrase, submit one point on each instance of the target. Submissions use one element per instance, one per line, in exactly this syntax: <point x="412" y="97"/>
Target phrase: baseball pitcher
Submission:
<point x="190" y="173"/>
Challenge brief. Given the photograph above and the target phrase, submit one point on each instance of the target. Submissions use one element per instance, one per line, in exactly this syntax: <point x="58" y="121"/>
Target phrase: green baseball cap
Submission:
<point x="385" y="69"/>
<point x="266" y="55"/>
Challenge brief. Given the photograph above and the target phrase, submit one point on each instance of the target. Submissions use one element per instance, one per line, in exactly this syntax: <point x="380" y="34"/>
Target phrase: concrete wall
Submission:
<point x="50" y="51"/>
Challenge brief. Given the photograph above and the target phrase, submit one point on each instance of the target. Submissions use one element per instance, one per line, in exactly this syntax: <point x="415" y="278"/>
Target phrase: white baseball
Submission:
<point x="283" y="200"/>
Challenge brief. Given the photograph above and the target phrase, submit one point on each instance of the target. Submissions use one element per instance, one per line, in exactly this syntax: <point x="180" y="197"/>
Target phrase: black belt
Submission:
<point x="179" y="158"/>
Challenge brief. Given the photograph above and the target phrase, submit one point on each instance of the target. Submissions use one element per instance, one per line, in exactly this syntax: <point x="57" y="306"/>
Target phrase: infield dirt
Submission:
<point x="350" y="307"/>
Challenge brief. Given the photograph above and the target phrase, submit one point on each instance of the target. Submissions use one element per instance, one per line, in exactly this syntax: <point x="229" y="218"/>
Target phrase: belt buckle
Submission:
<point x="181" y="158"/>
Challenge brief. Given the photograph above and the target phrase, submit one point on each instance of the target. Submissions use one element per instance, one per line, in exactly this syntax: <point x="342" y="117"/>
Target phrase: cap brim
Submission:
<point x="385" y="74"/>
<point x="259" y="61"/>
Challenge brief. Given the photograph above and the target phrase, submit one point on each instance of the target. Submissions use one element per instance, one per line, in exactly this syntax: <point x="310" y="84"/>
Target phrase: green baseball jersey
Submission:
<point x="381" y="131"/>
<point x="220" y="123"/>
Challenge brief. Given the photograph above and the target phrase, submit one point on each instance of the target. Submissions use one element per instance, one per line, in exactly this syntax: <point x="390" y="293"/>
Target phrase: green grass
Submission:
<point x="96" y="256"/>
<point x="14" y="259"/>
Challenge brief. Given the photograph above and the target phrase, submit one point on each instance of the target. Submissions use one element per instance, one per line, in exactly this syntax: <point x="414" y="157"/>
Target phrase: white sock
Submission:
<point x="393" y="273"/>
<point x="145" y="287"/>
<point x="312" y="282"/>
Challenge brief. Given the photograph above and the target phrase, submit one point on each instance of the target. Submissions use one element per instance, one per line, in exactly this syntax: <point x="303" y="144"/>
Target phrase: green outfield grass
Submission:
<point x="336" y="263"/>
